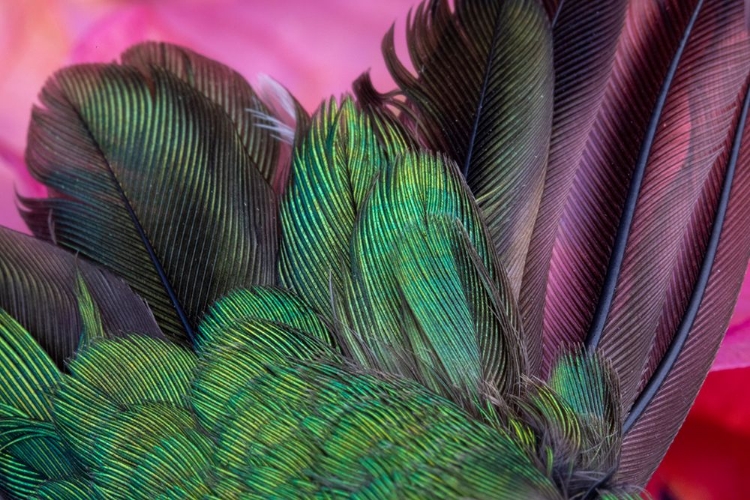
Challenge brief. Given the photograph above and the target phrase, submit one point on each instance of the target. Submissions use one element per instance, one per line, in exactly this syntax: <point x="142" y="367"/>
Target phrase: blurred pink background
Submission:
<point x="315" y="49"/>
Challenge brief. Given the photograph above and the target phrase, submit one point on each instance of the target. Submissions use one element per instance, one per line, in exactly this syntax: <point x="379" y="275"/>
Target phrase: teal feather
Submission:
<point x="364" y="259"/>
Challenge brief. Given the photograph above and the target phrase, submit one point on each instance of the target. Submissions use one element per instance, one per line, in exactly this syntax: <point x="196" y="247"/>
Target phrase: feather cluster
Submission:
<point x="505" y="278"/>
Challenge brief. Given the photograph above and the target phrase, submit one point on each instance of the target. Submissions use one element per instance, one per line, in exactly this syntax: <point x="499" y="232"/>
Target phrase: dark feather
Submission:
<point x="483" y="94"/>
<point x="585" y="36"/>
<point x="629" y="208"/>
<point x="713" y="257"/>
<point x="229" y="90"/>
<point x="151" y="179"/>
<point x="38" y="289"/>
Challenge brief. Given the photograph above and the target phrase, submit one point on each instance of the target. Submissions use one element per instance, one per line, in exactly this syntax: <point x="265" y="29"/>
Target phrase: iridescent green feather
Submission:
<point x="32" y="453"/>
<point x="394" y="253"/>
<point x="263" y="410"/>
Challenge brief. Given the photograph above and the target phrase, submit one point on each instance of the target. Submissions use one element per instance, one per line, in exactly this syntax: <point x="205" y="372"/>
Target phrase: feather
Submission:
<point x="391" y="243"/>
<point x="584" y="36"/>
<point x="150" y="178"/>
<point x="715" y="250"/>
<point x="333" y="165"/>
<point x="221" y="423"/>
<point x="576" y="417"/>
<point x="425" y="277"/>
<point x="31" y="453"/>
<point x="495" y="288"/>
<point x="629" y="208"/>
<point x="483" y="95"/>
<point x="226" y="88"/>
<point x="42" y="287"/>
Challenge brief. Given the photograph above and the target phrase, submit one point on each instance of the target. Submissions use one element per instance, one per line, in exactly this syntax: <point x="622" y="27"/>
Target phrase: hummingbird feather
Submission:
<point x="506" y="278"/>
<point x="154" y="180"/>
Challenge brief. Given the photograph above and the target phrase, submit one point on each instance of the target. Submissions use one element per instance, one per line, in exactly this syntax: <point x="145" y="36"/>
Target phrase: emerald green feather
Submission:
<point x="333" y="168"/>
<point x="396" y="255"/>
<point x="263" y="303"/>
<point x="31" y="451"/>
<point x="426" y="282"/>
<point x="91" y="320"/>
<point x="152" y="179"/>
<point x="151" y="419"/>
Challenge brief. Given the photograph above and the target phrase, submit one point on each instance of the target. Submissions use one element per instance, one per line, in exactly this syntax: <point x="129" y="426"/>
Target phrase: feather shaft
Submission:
<point x="482" y="95"/>
<point x="686" y="324"/>
<point x="604" y="306"/>
<point x="158" y="267"/>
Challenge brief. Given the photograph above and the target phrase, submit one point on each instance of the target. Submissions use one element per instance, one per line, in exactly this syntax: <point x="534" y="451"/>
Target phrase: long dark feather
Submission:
<point x="628" y="209"/>
<point x="585" y="36"/>
<point x="151" y="179"/>
<point x="38" y="289"/>
<point x="715" y="251"/>
<point x="483" y="94"/>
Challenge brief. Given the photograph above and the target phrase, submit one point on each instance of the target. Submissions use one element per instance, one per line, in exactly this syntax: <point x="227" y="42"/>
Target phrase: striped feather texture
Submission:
<point x="152" y="180"/>
<point x="505" y="279"/>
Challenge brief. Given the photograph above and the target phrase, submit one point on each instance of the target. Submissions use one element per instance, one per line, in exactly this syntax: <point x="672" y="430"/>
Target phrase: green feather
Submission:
<point x="483" y="94"/>
<point x="31" y="451"/>
<point x="91" y="320"/>
<point x="156" y="183"/>
<point x="333" y="168"/>
<point x="148" y="418"/>
<point x="395" y="254"/>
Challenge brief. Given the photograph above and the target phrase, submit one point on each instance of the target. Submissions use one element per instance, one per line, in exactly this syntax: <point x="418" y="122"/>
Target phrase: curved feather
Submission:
<point x="263" y="410"/>
<point x="267" y="304"/>
<point x="150" y="179"/>
<point x="31" y="452"/>
<point x="333" y="168"/>
<point x="578" y="414"/>
<point x="429" y="299"/>
<point x="483" y="94"/>
<point x="229" y="90"/>
<point x="584" y="36"/>
<point x="38" y="287"/>
<point x="396" y="256"/>
<point x="705" y="284"/>
<point x="629" y="209"/>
